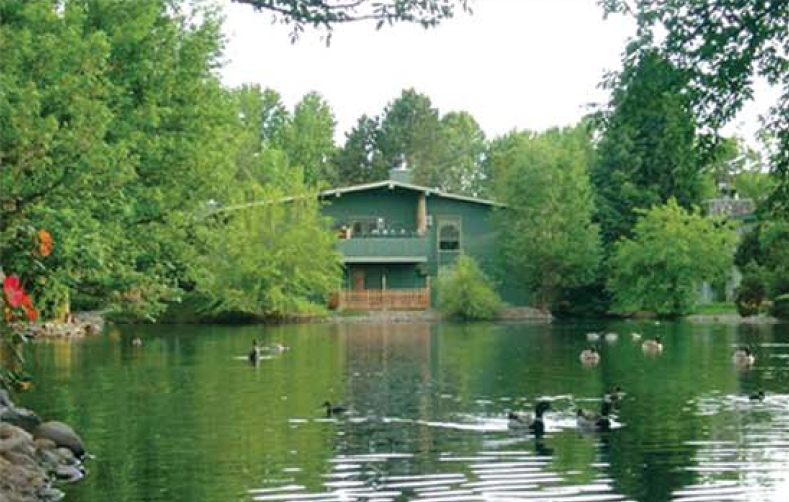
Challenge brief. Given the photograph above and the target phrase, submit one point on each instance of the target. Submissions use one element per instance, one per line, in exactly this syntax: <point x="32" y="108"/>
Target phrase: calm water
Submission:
<point x="187" y="418"/>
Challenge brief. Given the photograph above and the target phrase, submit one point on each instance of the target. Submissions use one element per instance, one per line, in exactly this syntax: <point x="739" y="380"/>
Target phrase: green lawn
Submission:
<point x="715" y="308"/>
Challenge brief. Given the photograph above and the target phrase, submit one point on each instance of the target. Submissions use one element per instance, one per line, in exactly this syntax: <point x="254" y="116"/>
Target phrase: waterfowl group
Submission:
<point x="590" y="355"/>
<point x="520" y="420"/>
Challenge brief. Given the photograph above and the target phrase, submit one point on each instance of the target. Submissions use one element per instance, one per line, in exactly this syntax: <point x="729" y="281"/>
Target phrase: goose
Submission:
<point x="653" y="346"/>
<point x="635" y="336"/>
<point x="593" y="337"/>
<point x="598" y="421"/>
<point x="334" y="409"/>
<point x="254" y="354"/>
<point x="758" y="396"/>
<point x="743" y="356"/>
<point x="590" y="356"/>
<point x="611" y="337"/>
<point x="136" y="341"/>
<point x="520" y="420"/>
<point x="615" y="396"/>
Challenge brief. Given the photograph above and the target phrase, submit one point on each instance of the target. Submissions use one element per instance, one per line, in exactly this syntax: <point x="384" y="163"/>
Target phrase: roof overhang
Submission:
<point x="383" y="259"/>
<point x="391" y="184"/>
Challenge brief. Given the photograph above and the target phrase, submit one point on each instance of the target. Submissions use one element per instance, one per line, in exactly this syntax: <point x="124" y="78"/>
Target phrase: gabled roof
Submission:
<point x="408" y="186"/>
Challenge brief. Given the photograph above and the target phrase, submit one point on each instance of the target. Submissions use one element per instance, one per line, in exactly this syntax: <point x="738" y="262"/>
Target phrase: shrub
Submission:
<point x="750" y="294"/>
<point x="464" y="292"/>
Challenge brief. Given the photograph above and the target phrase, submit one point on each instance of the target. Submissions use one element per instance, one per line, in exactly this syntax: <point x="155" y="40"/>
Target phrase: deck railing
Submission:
<point x="383" y="299"/>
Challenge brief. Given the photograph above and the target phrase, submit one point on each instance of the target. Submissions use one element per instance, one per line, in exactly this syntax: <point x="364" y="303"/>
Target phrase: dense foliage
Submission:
<point x="465" y="293"/>
<point x="548" y="239"/>
<point x="672" y="251"/>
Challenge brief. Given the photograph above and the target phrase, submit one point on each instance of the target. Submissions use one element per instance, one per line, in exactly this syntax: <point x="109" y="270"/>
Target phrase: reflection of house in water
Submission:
<point x="732" y="208"/>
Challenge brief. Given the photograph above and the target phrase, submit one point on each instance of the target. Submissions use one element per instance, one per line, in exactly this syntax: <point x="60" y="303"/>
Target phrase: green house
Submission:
<point x="395" y="236"/>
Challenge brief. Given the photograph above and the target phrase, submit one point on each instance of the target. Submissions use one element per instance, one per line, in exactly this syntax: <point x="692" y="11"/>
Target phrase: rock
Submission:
<point x="62" y="435"/>
<point x="20" y="417"/>
<point x="15" y="440"/>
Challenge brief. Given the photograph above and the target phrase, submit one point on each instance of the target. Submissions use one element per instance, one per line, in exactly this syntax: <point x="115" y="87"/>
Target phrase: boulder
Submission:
<point x="63" y="436"/>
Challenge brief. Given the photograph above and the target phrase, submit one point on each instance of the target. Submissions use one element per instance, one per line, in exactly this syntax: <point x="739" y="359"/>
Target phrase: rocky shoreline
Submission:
<point x="35" y="455"/>
<point x="75" y="326"/>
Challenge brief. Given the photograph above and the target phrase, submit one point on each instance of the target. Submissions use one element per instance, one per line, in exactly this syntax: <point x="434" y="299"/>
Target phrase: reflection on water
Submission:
<point x="186" y="417"/>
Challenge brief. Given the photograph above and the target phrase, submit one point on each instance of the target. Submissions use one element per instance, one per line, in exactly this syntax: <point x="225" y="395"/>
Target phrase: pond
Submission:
<point x="186" y="417"/>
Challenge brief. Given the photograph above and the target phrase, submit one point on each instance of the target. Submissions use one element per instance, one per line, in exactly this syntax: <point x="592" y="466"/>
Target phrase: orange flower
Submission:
<point x="45" y="243"/>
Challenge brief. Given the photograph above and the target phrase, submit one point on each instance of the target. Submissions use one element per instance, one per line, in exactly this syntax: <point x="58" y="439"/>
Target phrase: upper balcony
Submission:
<point x="729" y="207"/>
<point x="408" y="248"/>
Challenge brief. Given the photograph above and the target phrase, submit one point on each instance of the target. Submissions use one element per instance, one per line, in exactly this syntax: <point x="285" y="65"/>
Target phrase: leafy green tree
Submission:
<point x="647" y="152"/>
<point x="258" y="265"/>
<point x="459" y="167"/>
<point x="309" y="139"/>
<point x="324" y="14"/>
<point x="359" y="160"/>
<point x="721" y="45"/>
<point x="464" y="292"/>
<point x="671" y="252"/>
<point x="548" y="239"/>
<point x="411" y="132"/>
<point x="116" y="131"/>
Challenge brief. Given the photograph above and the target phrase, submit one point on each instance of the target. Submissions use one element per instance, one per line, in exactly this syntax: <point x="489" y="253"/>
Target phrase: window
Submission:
<point x="449" y="237"/>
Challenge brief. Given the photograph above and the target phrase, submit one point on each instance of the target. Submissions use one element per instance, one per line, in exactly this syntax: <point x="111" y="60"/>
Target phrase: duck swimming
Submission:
<point x="611" y="337"/>
<point x="334" y="409"/>
<point x="743" y="356"/>
<point x="597" y="421"/>
<point x="254" y="354"/>
<point x="653" y="346"/>
<point x="758" y="396"/>
<point x="136" y="341"/>
<point x="615" y="396"/>
<point x="590" y="356"/>
<point x="635" y="336"/>
<point x="593" y="337"/>
<point x="520" y="420"/>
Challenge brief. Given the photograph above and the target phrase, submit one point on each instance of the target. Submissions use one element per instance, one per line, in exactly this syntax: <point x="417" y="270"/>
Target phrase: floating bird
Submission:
<point x="277" y="347"/>
<point x="598" y="421"/>
<point x="635" y="336"/>
<point x="590" y="356"/>
<point x="593" y="337"/>
<point x="759" y="396"/>
<point x="520" y="420"/>
<point x="615" y="396"/>
<point x="136" y="341"/>
<point x="653" y="346"/>
<point x="611" y="337"/>
<point x="743" y="357"/>
<point x="334" y="409"/>
<point x="254" y="354"/>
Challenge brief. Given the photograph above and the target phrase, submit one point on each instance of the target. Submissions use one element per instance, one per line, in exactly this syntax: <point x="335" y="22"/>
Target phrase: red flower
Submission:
<point x="16" y="297"/>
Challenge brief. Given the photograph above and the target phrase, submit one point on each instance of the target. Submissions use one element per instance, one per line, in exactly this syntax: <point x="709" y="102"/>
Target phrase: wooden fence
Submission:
<point x="382" y="299"/>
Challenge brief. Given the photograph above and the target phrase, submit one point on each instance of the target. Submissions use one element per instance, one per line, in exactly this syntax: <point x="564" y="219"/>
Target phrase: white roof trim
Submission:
<point x="408" y="186"/>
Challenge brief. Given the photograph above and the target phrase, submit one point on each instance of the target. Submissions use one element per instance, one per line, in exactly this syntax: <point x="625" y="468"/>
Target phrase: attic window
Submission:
<point x="449" y="237"/>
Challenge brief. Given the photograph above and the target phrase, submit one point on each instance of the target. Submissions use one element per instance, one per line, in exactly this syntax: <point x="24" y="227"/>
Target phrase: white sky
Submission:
<point x="513" y="64"/>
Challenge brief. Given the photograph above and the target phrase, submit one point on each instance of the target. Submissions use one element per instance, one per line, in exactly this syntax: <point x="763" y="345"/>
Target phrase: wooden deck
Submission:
<point x="382" y="299"/>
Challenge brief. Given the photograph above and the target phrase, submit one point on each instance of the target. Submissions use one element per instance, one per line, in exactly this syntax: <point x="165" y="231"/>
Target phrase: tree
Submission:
<point x="670" y="254"/>
<point x="548" y="239"/>
<point x="116" y="131"/>
<point x="327" y="14"/>
<point x="309" y="139"/>
<point x="721" y="45"/>
<point x="359" y="160"/>
<point x="459" y="166"/>
<point x="411" y="132"/>
<point x="648" y="149"/>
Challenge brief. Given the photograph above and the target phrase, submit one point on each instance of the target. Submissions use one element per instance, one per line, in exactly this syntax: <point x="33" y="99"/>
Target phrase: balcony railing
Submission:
<point x="729" y="207"/>
<point x="382" y="299"/>
<point x="410" y="249"/>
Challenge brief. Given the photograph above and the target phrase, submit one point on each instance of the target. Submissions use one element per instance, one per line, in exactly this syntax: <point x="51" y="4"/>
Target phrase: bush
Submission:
<point x="464" y="292"/>
<point x="780" y="308"/>
<point x="751" y="292"/>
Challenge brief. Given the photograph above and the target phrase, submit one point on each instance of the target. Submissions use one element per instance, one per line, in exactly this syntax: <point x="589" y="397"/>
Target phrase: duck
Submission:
<point x="611" y="337"/>
<point x="136" y="341"/>
<point x="615" y="395"/>
<point x="635" y="336"/>
<point x="254" y="354"/>
<point x="590" y="356"/>
<point x="277" y="347"/>
<point x="598" y="421"/>
<point x="743" y="356"/>
<point x="520" y="420"/>
<point x="758" y="396"/>
<point x="653" y="346"/>
<point x="334" y="409"/>
<point x="593" y="337"/>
